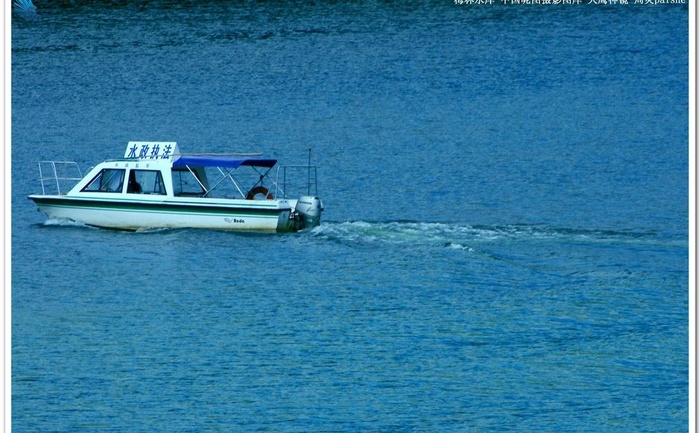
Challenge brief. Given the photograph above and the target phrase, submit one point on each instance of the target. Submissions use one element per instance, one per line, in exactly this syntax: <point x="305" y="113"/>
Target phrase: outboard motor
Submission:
<point x="309" y="208"/>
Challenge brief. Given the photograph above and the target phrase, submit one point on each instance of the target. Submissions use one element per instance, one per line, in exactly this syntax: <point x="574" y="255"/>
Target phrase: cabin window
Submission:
<point x="107" y="180"/>
<point x="185" y="183"/>
<point x="145" y="182"/>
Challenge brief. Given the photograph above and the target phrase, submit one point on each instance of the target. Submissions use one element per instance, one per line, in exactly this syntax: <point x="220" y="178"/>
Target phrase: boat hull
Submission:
<point x="251" y="215"/>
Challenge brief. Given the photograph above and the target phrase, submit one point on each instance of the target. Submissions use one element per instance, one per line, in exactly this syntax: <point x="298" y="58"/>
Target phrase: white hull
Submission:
<point x="273" y="215"/>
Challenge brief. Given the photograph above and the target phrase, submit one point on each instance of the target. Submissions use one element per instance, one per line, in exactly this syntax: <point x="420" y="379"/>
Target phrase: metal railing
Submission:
<point x="58" y="174"/>
<point x="293" y="181"/>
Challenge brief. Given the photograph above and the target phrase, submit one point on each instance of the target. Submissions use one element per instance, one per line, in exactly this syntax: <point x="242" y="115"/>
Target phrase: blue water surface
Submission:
<point x="504" y="245"/>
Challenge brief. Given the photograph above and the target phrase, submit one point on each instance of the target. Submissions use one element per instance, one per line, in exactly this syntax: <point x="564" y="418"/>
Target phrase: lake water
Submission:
<point x="504" y="246"/>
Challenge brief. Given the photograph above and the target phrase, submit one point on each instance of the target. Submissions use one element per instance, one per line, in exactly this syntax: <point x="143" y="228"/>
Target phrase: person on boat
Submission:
<point x="133" y="187"/>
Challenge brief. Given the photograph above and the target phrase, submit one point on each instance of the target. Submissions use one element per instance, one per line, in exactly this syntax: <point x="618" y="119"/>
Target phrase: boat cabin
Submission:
<point x="159" y="169"/>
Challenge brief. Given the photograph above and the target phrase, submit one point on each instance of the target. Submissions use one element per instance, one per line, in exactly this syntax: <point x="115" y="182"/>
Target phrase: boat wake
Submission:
<point x="396" y="233"/>
<point x="58" y="222"/>
<point x="467" y="237"/>
<point x="454" y="236"/>
<point x="65" y="223"/>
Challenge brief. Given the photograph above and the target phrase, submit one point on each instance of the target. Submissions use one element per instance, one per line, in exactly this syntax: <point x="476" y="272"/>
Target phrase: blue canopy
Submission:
<point x="221" y="161"/>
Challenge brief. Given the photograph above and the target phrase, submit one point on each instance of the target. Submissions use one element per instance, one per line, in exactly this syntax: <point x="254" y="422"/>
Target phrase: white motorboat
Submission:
<point x="156" y="186"/>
